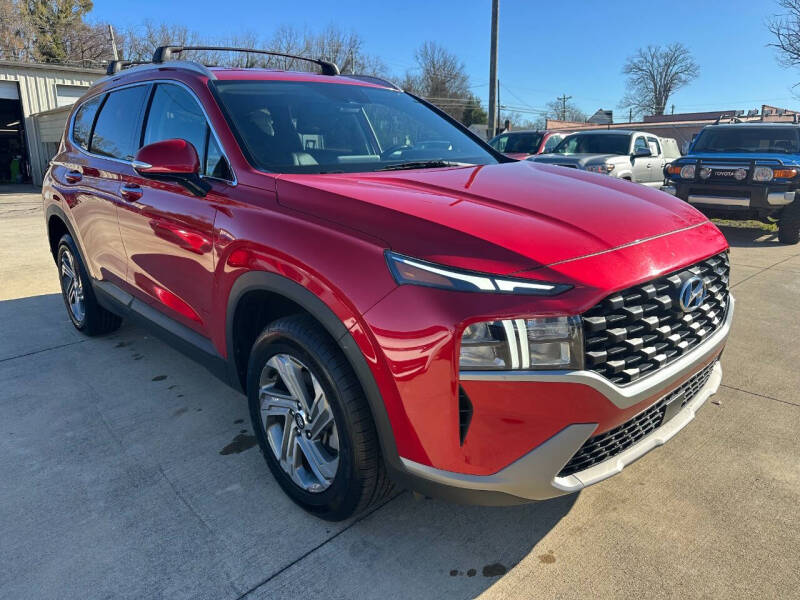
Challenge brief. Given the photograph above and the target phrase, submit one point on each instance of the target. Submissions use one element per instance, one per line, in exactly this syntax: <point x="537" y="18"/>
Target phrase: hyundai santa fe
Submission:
<point x="401" y="304"/>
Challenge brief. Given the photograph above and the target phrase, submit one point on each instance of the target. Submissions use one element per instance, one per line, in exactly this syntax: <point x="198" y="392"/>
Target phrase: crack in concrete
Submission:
<point x="731" y="387"/>
<point x="317" y="547"/>
<point x="2" y="360"/>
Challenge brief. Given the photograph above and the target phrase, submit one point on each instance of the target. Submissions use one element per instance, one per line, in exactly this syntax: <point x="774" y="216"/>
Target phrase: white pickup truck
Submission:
<point x="633" y="155"/>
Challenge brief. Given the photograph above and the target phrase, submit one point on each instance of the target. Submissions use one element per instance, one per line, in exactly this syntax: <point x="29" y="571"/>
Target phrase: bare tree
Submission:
<point x="565" y="111"/>
<point x="16" y="34"/>
<point x="440" y="77"/>
<point x="786" y="30"/>
<point x="654" y="74"/>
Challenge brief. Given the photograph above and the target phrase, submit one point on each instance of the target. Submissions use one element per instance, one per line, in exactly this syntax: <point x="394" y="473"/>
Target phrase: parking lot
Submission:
<point x="128" y="471"/>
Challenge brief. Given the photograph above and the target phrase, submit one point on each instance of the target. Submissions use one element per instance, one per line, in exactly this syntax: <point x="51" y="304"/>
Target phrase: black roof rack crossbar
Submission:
<point x="115" y="66"/>
<point x="165" y="53"/>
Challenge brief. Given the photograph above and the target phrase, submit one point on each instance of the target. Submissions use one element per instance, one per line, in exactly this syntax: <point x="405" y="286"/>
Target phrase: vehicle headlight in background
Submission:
<point x="604" y="168"/>
<point x="762" y="174"/>
<point x="412" y="271"/>
<point x="687" y="172"/>
<point x="543" y="343"/>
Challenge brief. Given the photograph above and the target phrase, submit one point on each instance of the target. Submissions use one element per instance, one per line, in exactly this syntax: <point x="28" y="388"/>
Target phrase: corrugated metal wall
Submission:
<point x="38" y="93"/>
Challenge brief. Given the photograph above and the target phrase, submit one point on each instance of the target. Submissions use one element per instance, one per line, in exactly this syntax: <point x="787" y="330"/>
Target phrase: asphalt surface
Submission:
<point x="127" y="471"/>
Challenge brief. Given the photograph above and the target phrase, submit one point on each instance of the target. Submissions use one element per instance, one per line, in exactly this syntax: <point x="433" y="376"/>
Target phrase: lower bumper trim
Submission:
<point x="534" y="476"/>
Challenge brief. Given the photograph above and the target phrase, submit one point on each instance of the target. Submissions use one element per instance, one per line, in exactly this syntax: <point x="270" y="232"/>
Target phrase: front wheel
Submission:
<point x="789" y="224"/>
<point x="312" y="421"/>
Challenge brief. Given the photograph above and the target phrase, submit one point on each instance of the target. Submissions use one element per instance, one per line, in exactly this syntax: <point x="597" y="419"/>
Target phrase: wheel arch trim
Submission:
<point x="270" y="282"/>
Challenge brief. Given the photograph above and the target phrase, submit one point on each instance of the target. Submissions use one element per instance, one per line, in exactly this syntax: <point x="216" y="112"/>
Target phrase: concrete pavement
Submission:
<point x="127" y="471"/>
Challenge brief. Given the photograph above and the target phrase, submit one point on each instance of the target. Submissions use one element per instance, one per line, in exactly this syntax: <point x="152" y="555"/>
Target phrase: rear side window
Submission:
<point x="175" y="114"/>
<point x="84" y="119"/>
<point x="116" y="133"/>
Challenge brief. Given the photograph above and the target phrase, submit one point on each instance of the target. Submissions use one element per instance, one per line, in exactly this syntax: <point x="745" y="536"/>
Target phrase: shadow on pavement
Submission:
<point x="119" y="481"/>
<point x="749" y="237"/>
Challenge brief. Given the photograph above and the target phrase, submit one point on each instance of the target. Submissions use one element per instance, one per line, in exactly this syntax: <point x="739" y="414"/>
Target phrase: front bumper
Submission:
<point x="723" y="196"/>
<point x="535" y="476"/>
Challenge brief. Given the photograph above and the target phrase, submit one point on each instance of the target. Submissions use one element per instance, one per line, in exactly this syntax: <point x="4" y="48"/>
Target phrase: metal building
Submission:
<point x="28" y="139"/>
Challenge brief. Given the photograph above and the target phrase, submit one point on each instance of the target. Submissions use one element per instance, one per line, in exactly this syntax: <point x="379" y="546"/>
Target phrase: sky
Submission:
<point x="546" y="49"/>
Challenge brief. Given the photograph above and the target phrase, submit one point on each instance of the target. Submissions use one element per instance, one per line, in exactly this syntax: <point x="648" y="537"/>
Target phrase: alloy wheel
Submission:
<point x="72" y="286"/>
<point x="299" y="423"/>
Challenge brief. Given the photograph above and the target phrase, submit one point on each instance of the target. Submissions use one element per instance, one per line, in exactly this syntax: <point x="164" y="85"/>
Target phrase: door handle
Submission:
<point x="130" y="192"/>
<point x="73" y="176"/>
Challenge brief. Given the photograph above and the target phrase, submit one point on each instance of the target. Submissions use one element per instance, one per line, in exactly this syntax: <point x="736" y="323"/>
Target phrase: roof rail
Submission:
<point x="115" y="66"/>
<point x="371" y="79"/>
<point x="165" y="53"/>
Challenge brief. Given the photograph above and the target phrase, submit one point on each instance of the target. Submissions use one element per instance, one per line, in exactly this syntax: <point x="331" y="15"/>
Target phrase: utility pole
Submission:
<point x="563" y="100"/>
<point x="493" y="101"/>
<point x="113" y="43"/>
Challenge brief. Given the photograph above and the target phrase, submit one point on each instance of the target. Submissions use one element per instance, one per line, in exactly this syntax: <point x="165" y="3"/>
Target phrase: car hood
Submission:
<point x="501" y="218"/>
<point x="575" y="160"/>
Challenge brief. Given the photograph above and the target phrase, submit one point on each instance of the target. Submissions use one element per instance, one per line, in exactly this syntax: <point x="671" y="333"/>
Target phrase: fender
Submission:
<point x="270" y="282"/>
<point x="54" y="210"/>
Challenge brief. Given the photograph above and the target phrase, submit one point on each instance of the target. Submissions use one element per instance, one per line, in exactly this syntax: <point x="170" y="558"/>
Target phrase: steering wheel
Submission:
<point x="394" y="148"/>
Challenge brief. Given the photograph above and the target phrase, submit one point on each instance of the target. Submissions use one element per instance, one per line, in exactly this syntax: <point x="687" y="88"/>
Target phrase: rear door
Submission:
<point x="100" y="144"/>
<point x="658" y="162"/>
<point x="168" y="232"/>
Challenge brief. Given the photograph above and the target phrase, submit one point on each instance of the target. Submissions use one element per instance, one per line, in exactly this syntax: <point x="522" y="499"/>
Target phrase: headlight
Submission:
<point x="687" y="172"/>
<point x="604" y="168"/>
<point x="412" y="271"/>
<point x="545" y="343"/>
<point x="762" y="174"/>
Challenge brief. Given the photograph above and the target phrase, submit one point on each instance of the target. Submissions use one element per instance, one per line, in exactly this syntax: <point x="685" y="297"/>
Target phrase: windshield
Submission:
<point x="527" y="143"/>
<point x="594" y="143"/>
<point x="313" y="127"/>
<point x="748" y="139"/>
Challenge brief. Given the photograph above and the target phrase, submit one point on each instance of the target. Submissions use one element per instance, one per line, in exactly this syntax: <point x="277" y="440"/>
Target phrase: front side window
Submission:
<point x="116" y="133"/>
<point x="499" y="143"/>
<point x="640" y="144"/>
<point x="84" y="119"/>
<point x="175" y="114"/>
<point x="594" y="143"/>
<point x="314" y="127"/>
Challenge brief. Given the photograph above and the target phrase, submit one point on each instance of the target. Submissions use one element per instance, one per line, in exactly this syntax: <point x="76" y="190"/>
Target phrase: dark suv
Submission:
<point x="745" y="170"/>
<point x="400" y="302"/>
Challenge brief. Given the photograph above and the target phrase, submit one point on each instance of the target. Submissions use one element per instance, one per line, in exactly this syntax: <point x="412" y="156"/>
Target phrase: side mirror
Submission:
<point x="641" y="152"/>
<point x="172" y="160"/>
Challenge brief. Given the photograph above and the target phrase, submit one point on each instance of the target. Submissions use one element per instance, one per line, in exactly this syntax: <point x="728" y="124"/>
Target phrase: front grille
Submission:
<point x="637" y="331"/>
<point x="607" y="445"/>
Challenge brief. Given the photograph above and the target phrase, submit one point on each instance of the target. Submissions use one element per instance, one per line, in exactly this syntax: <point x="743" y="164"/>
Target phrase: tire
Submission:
<point x="789" y="224"/>
<point x="296" y="349"/>
<point x="76" y="290"/>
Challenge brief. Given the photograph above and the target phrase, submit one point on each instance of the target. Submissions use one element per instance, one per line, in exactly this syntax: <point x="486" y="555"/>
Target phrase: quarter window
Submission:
<point x="116" y="133"/>
<point x="84" y="119"/>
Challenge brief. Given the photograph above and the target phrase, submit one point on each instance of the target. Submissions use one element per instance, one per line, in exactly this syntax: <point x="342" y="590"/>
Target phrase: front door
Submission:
<point x="168" y="232"/>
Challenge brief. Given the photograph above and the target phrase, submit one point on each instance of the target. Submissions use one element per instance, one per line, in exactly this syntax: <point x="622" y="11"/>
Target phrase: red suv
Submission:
<point x="400" y="302"/>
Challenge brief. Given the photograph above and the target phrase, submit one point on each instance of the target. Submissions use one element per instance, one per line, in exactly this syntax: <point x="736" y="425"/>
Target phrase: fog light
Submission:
<point x="705" y="173"/>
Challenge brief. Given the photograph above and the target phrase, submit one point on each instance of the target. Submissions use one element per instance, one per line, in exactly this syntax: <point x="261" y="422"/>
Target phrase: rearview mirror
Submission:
<point x="172" y="160"/>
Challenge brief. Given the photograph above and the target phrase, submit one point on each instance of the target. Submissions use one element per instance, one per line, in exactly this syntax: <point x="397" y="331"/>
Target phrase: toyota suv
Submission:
<point x="747" y="170"/>
<point x="631" y="155"/>
<point x="401" y="304"/>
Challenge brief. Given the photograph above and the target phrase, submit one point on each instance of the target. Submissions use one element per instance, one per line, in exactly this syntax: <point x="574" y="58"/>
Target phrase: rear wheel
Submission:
<point x="85" y="313"/>
<point x="789" y="224"/>
<point x="312" y="421"/>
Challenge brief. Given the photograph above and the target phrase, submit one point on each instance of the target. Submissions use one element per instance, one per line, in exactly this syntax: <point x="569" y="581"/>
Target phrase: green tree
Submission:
<point x="473" y="112"/>
<point x="53" y="22"/>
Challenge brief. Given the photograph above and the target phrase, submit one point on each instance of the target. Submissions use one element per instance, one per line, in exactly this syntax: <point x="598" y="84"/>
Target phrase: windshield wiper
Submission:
<point x="420" y="164"/>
